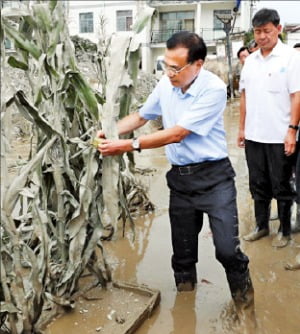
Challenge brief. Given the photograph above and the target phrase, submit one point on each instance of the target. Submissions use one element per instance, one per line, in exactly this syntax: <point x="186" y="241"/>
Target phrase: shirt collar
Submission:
<point x="276" y="51"/>
<point x="193" y="90"/>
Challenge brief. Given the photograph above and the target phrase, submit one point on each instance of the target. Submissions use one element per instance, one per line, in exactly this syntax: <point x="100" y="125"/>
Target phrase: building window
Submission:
<point x="124" y="20"/>
<point x="218" y="25"/>
<point x="86" y="22"/>
<point x="7" y="43"/>
<point x="177" y="21"/>
<point x="10" y="3"/>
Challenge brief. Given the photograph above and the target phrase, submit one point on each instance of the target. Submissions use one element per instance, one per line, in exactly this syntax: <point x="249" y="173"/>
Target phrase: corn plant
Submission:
<point x="57" y="209"/>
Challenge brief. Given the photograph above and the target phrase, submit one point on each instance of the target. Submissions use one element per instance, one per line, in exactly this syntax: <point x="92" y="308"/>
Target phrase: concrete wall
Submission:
<point x="293" y="38"/>
<point x="106" y="9"/>
<point x="203" y="21"/>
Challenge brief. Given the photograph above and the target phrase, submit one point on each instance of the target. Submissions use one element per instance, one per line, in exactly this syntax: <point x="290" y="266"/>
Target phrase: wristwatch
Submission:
<point x="136" y="144"/>
<point x="295" y="127"/>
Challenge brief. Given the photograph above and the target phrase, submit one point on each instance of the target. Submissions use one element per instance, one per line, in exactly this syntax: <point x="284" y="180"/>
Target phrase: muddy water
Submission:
<point x="205" y="311"/>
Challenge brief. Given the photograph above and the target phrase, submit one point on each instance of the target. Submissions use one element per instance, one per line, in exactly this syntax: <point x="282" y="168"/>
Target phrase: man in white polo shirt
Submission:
<point x="269" y="118"/>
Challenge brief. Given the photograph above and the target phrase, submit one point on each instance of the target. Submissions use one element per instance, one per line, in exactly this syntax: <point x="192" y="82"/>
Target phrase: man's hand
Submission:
<point x="241" y="139"/>
<point x="100" y="134"/>
<point x="290" y="142"/>
<point x="115" y="147"/>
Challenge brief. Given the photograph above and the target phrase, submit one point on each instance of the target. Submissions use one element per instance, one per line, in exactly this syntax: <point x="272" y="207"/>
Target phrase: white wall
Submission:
<point x="203" y="19"/>
<point x="293" y="38"/>
<point x="105" y="8"/>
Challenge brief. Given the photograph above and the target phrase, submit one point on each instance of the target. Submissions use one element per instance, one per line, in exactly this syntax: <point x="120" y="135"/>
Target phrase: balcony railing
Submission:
<point x="170" y="2"/>
<point x="161" y="36"/>
<point x="208" y="34"/>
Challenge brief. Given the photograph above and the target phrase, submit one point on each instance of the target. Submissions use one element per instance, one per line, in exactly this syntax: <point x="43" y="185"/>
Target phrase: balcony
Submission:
<point x="208" y="34"/>
<point x="161" y="36"/>
<point x="173" y="2"/>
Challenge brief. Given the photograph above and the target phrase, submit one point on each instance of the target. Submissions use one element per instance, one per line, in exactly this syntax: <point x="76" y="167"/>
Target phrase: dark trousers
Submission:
<point x="297" y="172"/>
<point x="205" y="188"/>
<point x="270" y="175"/>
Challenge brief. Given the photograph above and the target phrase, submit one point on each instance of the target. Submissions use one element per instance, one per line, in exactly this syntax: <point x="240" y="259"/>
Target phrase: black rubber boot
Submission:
<point x="186" y="281"/>
<point x="284" y="234"/>
<point x="262" y="210"/>
<point x="297" y="222"/>
<point x="262" y="214"/>
<point x="284" y="213"/>
<point x="242" y="293"/>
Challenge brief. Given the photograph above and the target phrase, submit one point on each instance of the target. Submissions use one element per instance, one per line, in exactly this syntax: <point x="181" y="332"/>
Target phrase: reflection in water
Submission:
<point x="183" y="313"/>
<point x="126" y="252"/>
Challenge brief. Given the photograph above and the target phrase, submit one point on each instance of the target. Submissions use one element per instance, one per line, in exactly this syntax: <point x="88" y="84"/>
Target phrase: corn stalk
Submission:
<point x="55" y="212"/>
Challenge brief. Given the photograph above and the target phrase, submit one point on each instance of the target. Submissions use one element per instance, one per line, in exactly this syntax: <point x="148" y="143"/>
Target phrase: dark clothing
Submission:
<point x="209" y="188"/>
<point x="298" y="174"/>
<point x="270" y="176"/>
<point x="262" y="210"/>
<point x="270" y="171"/>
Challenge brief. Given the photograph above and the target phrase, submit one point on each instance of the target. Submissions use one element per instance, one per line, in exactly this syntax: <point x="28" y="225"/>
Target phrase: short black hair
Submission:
<point x="264" y="16"/>
<point x="243" y="48"/>
<point x="297" y="45"/>
<point x="193" y="42"/>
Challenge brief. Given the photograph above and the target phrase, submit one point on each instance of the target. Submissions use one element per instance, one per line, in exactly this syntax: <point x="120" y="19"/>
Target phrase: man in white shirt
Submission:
<point x="269" y="118"/>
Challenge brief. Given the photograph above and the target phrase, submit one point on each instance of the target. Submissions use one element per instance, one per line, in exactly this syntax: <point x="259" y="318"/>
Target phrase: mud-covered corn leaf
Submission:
<point x="20" y="41"/>
<point x="13" y="62"/>
<point x="11" y="195"/>
<point x="52" y="5"/>
<point x="84" y="92"/>
<point x="33" y="114"/>
<point x="8" y="307"/>
<point x="43" y="17"/>
<point x="142" y="19"/>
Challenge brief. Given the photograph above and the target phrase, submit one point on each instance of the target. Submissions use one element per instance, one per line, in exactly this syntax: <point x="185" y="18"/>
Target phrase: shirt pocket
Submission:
<point x="276" y="81"/>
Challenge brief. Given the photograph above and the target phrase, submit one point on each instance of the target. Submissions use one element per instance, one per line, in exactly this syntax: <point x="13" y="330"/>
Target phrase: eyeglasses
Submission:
<point x="173" y="70"/>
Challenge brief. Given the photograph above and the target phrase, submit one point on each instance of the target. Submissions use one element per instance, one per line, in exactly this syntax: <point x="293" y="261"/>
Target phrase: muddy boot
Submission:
<point x="297" y="222"/>
<point x="242" y="293"/>
<point x="262" y="215"/>
<point x="285" y="213"/>
<point x="293" y="265"/>
<point x="281" y="241"/>
<point x="186" y="281"/>
<point x="256" y="234"/>
<point x="185" y="286"/>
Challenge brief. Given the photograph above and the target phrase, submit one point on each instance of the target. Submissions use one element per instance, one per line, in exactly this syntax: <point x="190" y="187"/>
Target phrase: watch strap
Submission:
<point x="295" y="127"/>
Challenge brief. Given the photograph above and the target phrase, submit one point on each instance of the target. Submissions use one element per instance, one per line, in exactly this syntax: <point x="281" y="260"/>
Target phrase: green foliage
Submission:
<point x="248" y="37"/>
<point x="54" y="213"/>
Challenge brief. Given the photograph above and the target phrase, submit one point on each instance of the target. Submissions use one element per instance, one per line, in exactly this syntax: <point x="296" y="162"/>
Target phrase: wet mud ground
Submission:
<point x="204" y="311"/>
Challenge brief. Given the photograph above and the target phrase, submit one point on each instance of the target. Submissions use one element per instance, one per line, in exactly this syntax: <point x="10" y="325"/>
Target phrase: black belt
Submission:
<point x="192" y="168"/>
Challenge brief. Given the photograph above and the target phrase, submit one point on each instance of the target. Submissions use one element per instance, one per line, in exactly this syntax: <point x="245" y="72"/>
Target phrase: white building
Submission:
<point x="85" y="19"/>
<point x="95" y="19"/>
<point x="90" y="19"/>
<point x="292" y="34"/>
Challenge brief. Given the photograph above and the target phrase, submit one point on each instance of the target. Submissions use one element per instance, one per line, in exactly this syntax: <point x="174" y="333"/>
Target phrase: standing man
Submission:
<point x="191" y="102"/>
<point x="295" y="264"/>
<point x="269" y="117"/>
